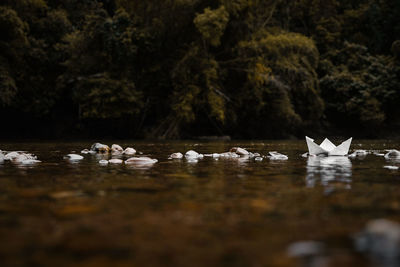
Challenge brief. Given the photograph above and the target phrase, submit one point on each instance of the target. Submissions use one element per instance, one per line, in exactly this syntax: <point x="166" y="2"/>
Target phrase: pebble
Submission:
<point x="140" y="160"/>
<point x="30" y="161"/>
<point x="129" y="151"/>
<point x="116" y="161"/>
<point x="229" y="155"/>
<point x="392" y="153"/>
<point x="358" y="153"/>
<point x="116" y="149"/>
<point x="11" y="155"/>
<point x="258" y="159"/>
<point x="391" y="167"/>
<point x="100" y="148"/>
<point x="191" y="154"/>
<point x="103" y="162"/>
<point x="381" y="241"/>
<point x="240" y="151"/>
<point x="85" y="151"/>
<point x="305" y="249"/>
<point x="73" y="157"/>
<point x="273" y="155"/>
<point x="176" y="155"/>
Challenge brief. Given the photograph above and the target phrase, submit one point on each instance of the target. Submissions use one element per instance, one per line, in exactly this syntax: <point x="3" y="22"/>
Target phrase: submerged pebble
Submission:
<point x="381" y="241"/>
<point x="258" y="159"/>
<point x="305" y="249"/>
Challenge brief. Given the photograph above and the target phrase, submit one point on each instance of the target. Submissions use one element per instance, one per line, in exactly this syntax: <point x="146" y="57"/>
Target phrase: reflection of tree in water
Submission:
<point x="329" y="171"/>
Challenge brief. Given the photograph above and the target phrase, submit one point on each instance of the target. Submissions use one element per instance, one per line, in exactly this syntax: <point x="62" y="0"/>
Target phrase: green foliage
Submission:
<point x="362" y="89"/>
<point x="291" y="60"/>
<point x="178" y="68"/>
<point x="101" y="97"/>
<point x="196" y="87"/>
<point x="211" y="24"/>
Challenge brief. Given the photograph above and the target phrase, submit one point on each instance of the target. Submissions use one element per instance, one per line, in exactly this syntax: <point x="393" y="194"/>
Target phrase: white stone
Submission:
<point x="116" y="161"/>
<point x="176" y="155"/>
<point x="30" y="161"/>
<point x="240" y="151"/>
<point x="358" y="153"/>
<point x="85" y="151"/>
<point x="392" y="154"/>
<point x="140" y="160"/>
<point x="191" y="154"/>
<point x="273" y="155"/>
<point x="11" y="155"/>
<point x="129" y="151"/>
<point x="391" y="167"/>
<point x="73" y="157"/>
<point x="116" y="149"/>
<point x="103" y="162"/>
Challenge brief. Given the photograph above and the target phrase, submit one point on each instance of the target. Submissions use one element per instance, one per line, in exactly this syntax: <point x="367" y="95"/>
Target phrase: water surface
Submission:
<point x="236" y="212"/>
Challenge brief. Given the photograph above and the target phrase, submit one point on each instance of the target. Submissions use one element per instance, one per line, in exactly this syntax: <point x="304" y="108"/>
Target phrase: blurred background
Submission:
<point x="185" y="68"/>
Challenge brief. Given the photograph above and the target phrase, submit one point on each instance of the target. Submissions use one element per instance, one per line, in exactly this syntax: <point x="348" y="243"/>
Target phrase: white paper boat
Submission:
<point x="328" y="148"/>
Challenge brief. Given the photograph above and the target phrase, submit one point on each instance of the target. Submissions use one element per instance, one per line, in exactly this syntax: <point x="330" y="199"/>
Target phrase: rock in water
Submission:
<point x="176" y="155"/>
<point x="73" y="157"/>
<point x="392" y="154"/>
<point x="140" y="160"/>
<point x="240" y="151"/>
<point x="358" y="153"/>
<point x="116" y="149"/>
<point x="11" y="155"/>
<point x="85" y="151"/>
<point x="305" y="249"/>
<point x="191" y="154"/>
<point x="129" y="151"/>
<point x="391" y="167"/>
<point x="103" y="162"/>
<point x="381" y="241"/>
<point x="116" y="161"/>
<point x="100" y="148"/>
<point x="273" y="155"/>
<point x="30" y="161"/>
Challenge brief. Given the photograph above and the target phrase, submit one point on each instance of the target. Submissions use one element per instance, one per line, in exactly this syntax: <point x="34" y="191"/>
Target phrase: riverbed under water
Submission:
<point x="225" y="212"/>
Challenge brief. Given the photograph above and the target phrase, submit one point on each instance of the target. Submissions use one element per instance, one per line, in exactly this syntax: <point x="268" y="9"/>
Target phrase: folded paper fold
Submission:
<point x="327" y="147"/>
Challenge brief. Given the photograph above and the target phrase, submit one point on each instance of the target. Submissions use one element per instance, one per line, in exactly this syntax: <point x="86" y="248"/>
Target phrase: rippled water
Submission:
<point x="226" y="212"/>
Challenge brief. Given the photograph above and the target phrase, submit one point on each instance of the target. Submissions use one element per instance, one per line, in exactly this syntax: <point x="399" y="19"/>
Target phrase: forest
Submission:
<point x="186" y="68"/>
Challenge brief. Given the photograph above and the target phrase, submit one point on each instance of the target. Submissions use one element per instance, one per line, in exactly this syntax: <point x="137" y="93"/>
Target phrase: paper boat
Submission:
<point x="328" y="148"/>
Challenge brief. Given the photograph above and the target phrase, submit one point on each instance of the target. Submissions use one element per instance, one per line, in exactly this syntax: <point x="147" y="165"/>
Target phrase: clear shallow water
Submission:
<point x="178" y="213"/>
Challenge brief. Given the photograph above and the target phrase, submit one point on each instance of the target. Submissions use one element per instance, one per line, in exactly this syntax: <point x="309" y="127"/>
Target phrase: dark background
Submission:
<point x="187" y="68"/>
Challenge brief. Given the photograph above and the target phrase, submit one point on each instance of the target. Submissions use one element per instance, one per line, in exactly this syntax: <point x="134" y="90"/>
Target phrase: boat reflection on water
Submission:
<point x="331" y="172"/>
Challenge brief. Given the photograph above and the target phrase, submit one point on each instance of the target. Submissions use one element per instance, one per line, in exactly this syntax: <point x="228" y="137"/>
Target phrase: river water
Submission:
<point x="225" y="212"/>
